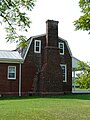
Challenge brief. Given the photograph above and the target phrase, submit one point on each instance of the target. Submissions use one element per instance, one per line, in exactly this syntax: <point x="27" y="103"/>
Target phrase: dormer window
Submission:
<point x="61" y="46"/>
<point x="37" y="46"/>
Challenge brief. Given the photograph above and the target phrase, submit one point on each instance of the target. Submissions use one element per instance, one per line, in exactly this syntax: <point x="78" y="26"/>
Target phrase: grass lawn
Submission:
<point x="68" y="107"/>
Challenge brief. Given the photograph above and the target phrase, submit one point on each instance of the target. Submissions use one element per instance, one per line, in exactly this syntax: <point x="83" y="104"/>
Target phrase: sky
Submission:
<point x="64" y="11"/>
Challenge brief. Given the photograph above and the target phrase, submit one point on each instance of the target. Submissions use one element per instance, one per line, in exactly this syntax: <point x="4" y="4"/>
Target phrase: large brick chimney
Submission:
<point x="51" y="73"/>
<point x="51" y="33"/>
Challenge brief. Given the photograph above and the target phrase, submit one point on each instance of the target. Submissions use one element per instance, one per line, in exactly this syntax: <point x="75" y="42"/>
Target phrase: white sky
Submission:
<point x="64" y="11"/>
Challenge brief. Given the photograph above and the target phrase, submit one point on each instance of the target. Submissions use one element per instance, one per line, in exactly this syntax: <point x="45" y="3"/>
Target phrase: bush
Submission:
<point x="84" y="76"/>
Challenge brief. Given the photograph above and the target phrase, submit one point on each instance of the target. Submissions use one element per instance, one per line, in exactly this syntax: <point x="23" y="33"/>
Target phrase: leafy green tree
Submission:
<point x="83" y="23"/>
<point x="84" y="76"/>
<point x="14" y="14"/>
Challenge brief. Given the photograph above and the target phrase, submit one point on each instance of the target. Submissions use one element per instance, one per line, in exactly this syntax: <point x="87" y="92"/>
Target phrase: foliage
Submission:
<point x="14" y="14"/>
<point x="84" y="76"/>
<point x="83" y="23"/>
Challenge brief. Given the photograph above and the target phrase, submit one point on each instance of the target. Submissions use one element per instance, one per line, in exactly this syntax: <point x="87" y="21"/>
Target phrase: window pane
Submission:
<point x="63" y="77"/>
<point x="37" y="43"/>
<point x="11" y="75"/>
<point x="11" y="69"/>
<point x="37" y="48"/>
<point x="61" y="50"/>
<point x="61" y="45"/>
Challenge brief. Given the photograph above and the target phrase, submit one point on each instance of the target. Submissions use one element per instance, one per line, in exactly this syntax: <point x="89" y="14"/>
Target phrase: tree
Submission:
<point x="14" y="14"/>
<point x="83" y="23"/>
<point x="84" y="76"/>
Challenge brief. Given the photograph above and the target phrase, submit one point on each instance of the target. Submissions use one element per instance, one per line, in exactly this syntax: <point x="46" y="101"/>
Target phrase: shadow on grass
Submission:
<point x="69" y="96"/>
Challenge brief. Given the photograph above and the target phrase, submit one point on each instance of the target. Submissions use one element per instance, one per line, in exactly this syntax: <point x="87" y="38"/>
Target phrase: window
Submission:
<point x="64" y="72"/>
<point x="37" y="46"/>
<point x="11" y="72"/>
<point x="61" y="46"/>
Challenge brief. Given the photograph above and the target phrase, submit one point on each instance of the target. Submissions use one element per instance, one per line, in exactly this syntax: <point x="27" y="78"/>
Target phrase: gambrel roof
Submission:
<point x="25" y="51"/>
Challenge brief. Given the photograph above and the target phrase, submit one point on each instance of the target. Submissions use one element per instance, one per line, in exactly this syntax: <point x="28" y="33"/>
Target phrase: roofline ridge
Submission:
<point x="37" y="35"/>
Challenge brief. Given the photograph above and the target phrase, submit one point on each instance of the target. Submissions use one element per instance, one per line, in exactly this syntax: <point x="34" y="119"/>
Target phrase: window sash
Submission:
<point x="64" y="72"/>
<point x="37" y="46"/>
<point x="61" y="46"/>
<point x="11" y="72"/>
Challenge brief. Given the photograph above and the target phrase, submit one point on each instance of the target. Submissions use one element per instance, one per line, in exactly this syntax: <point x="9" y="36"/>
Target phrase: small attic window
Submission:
<point x="37" y="46"/>
<point x="61" y="46"/>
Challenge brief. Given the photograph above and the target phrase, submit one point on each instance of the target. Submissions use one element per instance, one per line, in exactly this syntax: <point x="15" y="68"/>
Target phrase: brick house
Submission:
<point x="44" y="67"/>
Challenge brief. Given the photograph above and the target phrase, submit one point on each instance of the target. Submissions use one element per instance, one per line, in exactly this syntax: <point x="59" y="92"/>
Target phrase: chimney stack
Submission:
<point x="51" y="80"/>
<point x="51" y="33"/>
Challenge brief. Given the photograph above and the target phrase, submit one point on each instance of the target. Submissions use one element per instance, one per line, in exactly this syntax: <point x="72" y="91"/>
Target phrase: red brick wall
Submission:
<point x="28" y="73"/>
<point x="8" y="87"/>
<point x="67" y="60"/>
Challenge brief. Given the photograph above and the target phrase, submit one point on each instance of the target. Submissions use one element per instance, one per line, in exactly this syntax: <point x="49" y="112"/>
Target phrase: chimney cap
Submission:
<point x="52" y="21"/>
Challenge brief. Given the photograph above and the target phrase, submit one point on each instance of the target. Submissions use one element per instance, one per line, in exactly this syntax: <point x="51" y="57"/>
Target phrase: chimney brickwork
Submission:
<point x="51" y="82"/>
<point x="51" y="33"/>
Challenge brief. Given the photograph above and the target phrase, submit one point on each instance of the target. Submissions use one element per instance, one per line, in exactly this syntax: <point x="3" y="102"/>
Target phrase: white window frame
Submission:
<point x="61" y="48"/>
<point x="12" y="72"/>
<point x="63" y="65"/>
<point x="35" y="51"/>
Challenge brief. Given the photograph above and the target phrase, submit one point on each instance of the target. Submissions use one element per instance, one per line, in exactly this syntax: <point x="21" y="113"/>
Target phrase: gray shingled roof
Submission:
<point x="10" y="56"/>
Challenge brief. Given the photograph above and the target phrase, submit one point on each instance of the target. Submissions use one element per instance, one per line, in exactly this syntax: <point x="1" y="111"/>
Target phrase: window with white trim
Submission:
<point x="11" y="72"/>
<point x="37" y="46"/>
<point x="61" y="46"/>
<point x="64" y="72"/>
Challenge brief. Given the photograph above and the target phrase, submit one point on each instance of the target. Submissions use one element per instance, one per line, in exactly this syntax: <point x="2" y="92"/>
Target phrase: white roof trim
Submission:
<point x="38" y="36"/>
<point x="28" y="48"/>
<point x="10" y="61"/>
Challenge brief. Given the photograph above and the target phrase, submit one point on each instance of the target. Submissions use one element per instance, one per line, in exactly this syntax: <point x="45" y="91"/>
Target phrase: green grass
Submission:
<point x="68" y="107"/>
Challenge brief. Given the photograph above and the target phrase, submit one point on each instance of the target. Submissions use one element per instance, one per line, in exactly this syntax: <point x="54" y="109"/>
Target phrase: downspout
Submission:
<point x="20" y="79"/>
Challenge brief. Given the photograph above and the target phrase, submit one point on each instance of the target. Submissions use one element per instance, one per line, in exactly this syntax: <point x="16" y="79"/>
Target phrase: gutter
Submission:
<point x="11" y="60"/>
